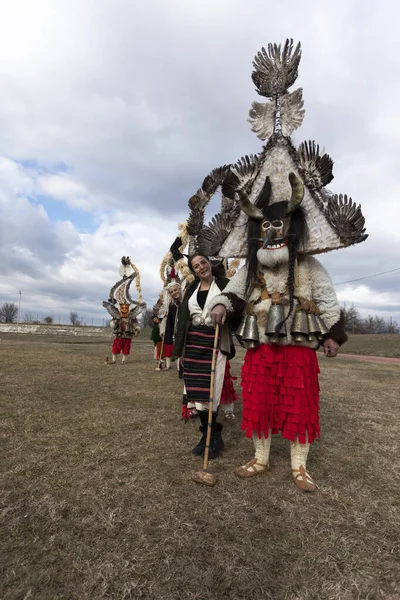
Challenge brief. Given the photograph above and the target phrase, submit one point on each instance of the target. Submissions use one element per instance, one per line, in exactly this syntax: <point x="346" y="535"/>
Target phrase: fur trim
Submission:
<point x="314" y="284"/>
<point x="221" y="299"/>
<point x="337" y="331"/>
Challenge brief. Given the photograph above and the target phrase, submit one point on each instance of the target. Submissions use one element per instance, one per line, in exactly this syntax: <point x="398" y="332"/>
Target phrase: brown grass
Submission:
<point x="386" y="344"/>
<point x="97" y="499"/>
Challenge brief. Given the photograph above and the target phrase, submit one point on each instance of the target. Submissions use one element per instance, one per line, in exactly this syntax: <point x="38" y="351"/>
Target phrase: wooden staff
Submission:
<point x="204" y="476"/>
<point x="158" y="367"/>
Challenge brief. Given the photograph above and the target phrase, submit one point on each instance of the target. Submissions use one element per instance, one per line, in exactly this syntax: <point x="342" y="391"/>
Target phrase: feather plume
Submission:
<point x="212" y="237"/>
<point x="212" y="182"/>
<point x="241" y="176"/>
<point x="262" y="115"/>
<point x="197" y="205"/>
<point x="275" y="70"/>
<point x="346" y="219"/>
<point x="317" y="169"/>
<point x="292" y="111"/>
<point x="112" y="311"/>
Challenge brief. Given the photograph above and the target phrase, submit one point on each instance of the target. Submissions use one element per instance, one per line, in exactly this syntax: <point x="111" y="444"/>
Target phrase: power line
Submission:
<point x="368" y="276"/>
<point x="90" y="301"/>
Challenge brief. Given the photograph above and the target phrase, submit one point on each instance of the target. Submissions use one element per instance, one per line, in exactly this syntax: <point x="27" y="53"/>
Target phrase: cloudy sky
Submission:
<point x="113" y="111"/>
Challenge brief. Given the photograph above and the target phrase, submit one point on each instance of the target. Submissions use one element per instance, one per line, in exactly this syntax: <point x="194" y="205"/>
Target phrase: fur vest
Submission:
<point x="314" y="285"/>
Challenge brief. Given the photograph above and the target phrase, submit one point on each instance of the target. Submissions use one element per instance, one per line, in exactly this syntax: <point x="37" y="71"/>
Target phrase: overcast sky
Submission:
<point x="113" y="111"/>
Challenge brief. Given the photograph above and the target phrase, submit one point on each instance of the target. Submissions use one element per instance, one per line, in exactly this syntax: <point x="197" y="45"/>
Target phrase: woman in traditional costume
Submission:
<point x="194" y="345"/>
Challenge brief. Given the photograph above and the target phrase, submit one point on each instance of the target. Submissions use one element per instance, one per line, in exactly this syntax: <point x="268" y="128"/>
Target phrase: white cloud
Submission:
<point x="138" y="101"/>
<point x="67" y="189"/>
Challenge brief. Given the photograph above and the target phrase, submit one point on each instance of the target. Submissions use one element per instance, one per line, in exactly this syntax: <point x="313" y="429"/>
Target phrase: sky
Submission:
<point x="112" y="112"/>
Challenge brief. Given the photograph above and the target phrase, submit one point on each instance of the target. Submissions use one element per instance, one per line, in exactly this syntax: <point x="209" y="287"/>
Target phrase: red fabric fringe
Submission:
<point x="121" y="345"/>
<point x="228" y="393"/>
<point x="281" y="392"/>
<point x="168" y="350"/>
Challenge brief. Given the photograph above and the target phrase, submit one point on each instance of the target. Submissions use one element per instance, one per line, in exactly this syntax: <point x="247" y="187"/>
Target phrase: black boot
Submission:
<point x="216" y="443"/>
<point x="198" y="450"/>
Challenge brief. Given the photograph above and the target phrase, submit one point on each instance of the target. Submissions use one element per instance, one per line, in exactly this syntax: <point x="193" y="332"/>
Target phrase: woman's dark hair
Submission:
<point x="253" y="234"/>
<point x="217" y="270"/>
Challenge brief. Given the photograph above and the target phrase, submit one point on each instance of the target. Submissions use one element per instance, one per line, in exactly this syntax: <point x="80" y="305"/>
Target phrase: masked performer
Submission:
<point x="284" y="298"/>
<point x="124" y="310"/>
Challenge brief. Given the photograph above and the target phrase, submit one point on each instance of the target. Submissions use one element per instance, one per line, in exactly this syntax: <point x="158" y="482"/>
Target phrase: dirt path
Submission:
<point x="376" y="359"/>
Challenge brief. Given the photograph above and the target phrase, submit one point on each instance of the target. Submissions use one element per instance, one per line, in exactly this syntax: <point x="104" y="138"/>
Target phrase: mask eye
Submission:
<point x="277" y="224"/>
<point x="265" y="225"/>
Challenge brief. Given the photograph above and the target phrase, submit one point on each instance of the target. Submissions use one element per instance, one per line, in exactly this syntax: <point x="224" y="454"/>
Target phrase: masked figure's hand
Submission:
<point x="331" y="348"/>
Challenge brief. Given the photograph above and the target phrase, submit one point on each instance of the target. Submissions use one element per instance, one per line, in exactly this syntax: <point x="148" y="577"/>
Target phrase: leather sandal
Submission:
<point x="250" y="469"/>
<point x="303" y="479"/>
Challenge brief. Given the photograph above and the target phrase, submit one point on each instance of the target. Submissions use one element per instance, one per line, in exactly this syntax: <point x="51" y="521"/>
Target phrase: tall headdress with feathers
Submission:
<point x="120" y="291"/>
<point x="296" y="175"/>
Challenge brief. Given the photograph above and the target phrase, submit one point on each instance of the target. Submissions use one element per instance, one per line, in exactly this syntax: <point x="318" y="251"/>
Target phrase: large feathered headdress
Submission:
<point x="120" y="291"/>
<point x="296" y="175"/>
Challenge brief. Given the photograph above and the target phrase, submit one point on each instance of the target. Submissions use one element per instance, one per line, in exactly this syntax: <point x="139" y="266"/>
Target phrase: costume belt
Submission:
<point x="199" y="320"/>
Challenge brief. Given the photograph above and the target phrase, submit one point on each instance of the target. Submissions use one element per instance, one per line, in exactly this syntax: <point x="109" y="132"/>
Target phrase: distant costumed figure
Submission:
<point x="156" y="339"/>
<point x="169" y="301"/>
<point x="275" y="215"/>
<point x="124" y="310"/>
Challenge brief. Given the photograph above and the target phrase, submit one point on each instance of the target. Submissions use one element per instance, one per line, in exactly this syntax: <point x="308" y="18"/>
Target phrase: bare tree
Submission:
<point x="48" y="320"/>
<point x="8" y="312"/>
<point x="28" y="318"/>
<point x="392" y="326"/>
<point x="353" y="320"/>
<point x="146" y="318"/>
<point x="73" y="317"/>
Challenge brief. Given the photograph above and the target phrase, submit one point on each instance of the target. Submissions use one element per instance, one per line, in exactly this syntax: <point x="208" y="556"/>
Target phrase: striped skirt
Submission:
<point x="197" y="365"/>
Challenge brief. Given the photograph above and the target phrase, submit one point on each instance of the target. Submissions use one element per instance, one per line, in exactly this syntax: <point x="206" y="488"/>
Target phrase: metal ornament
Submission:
<point x="240" y="330"/>
<point x="275" y="316"/>
<point x="250" y="337"/>
<point x="313" y="327"/>
<point x="322" y="327"/>
<point x="299" y="328"/>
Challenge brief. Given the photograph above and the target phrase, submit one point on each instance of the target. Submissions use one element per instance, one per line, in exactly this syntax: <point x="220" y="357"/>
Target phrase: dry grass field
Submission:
<point x="385" y="344"/>
<point x="97" y="500"/>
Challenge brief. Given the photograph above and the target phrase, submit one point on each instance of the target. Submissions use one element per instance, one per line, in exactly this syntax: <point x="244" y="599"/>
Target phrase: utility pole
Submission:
<point x="19" y="309"/>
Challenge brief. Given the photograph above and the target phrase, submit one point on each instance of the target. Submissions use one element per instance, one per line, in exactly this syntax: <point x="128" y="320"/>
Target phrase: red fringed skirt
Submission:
<point x="168" y="350"/>
<point x="281" y="392"/>
<point x="228" y="394"/>
<point x="121" y="345"/>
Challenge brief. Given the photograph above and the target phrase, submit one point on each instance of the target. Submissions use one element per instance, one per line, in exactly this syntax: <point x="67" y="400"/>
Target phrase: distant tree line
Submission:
<point x="355" y="323"/>
<point x="9" y="314"/>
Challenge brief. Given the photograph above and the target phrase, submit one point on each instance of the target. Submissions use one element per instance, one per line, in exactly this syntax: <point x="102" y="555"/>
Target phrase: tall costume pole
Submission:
<point x="160" y="360"/>
<point x="204" y="476"/>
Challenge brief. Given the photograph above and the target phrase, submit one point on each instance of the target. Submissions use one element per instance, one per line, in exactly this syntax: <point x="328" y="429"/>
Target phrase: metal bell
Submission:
<point x="240" y="330"/>
<point x="322" y="327"/>
<point x="313" y="327"/>
<point x="250" y="336"/>
<point x="299" y="328"/>
<point x="276" y="315"/>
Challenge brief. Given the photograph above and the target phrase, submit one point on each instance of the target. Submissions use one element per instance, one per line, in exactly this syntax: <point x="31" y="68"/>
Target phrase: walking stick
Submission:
<point x="204" y="476"/>
<point x="158" y="367"/>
